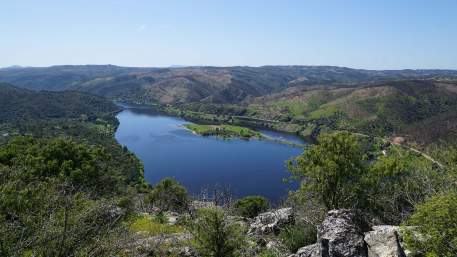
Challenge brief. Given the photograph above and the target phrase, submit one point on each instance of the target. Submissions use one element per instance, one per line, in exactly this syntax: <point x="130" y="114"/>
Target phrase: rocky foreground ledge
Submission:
<point x="342" y="235"/>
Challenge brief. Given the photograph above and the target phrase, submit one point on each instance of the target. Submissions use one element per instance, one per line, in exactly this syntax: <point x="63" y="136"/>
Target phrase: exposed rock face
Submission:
<point x="308" y="251"/>
<point x="270" y="222"/>
<point x="384" y="241"/>
<point x="341" y="235"/>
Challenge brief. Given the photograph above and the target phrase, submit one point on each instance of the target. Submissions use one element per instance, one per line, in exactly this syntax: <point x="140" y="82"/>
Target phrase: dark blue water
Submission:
<point x="167" y="149"/>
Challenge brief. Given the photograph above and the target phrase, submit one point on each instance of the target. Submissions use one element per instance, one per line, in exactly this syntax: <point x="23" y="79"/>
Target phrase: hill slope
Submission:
<point x="425" y="110"/>
<point x="62" y="174"/>
<point x="22" y="104"/>
<point x="197" y="84"/>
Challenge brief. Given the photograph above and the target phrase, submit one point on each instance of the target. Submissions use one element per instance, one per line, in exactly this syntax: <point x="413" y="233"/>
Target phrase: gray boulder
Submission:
<point x="341" y="234"/>
<point x="270" y="222"/>
<point x="384" y="241"/>
<point x="308" y="251"/>
<point x="184" y="252"/>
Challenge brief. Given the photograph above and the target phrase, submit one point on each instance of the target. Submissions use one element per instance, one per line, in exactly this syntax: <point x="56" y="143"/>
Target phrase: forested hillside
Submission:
<point x="20" y="104"/>
<point x="62" y="174"/>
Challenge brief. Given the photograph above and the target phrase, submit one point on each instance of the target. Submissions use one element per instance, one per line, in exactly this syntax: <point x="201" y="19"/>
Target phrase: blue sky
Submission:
<point x="372" y="34"/>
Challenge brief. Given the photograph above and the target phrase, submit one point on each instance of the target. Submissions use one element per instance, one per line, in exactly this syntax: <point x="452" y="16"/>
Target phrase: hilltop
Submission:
<point x="198" y="84"/>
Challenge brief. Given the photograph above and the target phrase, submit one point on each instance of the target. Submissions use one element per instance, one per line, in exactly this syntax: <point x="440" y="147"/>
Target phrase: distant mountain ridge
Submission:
<point x="198" y="84"/>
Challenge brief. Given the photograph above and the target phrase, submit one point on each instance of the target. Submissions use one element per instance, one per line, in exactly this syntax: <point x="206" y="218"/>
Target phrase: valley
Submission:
<point x="150" y="155"/>
<point x="228" y="128"/>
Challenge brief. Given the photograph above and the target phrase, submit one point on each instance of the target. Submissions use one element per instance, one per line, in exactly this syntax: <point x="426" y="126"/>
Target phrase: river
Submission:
<point x="167" y="149"/>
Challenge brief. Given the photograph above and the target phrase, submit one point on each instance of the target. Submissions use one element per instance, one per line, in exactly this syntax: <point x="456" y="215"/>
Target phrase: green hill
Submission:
<point x="72" y="115"/>
<point x="20" y="104"/>
<point x="424" y="110"/>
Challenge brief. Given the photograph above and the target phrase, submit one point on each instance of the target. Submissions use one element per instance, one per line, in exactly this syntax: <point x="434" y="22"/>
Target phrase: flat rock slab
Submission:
<point x="384" y="241"/>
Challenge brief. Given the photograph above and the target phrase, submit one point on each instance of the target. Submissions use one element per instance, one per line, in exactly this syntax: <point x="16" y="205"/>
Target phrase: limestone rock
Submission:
<point x="341" y="235"/>
<point x="384" y="241"/>
<point x="270" y="222"/>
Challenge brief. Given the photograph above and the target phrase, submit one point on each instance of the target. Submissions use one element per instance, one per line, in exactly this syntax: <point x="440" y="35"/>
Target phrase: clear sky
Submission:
<point x="373" y="34"/>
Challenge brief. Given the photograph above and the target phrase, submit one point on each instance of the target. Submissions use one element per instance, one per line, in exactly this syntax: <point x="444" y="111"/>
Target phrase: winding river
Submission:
<point x="167" y="149"/>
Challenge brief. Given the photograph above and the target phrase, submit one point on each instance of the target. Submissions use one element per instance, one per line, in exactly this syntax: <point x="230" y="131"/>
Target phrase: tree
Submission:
<point x="434" y="227"/>
<point x="169" y="195"/>
<point x="331" y="170"/>
<point x="251" y="206"/>
<point x="215" y="236"/>
<point x="397" y="182"/>
<point x="53" y="201"/>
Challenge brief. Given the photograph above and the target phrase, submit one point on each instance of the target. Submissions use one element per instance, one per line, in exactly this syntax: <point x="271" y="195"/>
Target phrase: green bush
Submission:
<point x="251" y="206"/>
<point x="268" y="253"/>
<point x="161" y="218"/>
<point x="434" y="227"/>
<point x="331" y="171"/>
<point x="215" y="236"/>
<point x="395" y="183"/>
<point x="168" y="195"/>
<point x="343" y="171"/>
<point x="56" y="191"/>
<point x="298" y="235"/>
<point x="153" y="226"/>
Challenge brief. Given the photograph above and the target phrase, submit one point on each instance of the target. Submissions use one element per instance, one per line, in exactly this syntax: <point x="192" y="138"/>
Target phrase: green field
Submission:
<point x="225" y="131"/>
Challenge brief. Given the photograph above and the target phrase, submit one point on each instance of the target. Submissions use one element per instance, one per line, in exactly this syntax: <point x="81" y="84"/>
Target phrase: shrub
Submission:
<point x="168" y="195"/>
<point x="337" y="173"/>
<point x="395" y="183"/>
<point x="331" y="170"/>
<point x="215" y="236"/>
<point x="434" y="231"/>
<point x="161" y="218"/>
<point x="298" y="235"/>
<point x="268" y="253"/>
<point x="153" y="226"/>
<point x="251" y="206"/>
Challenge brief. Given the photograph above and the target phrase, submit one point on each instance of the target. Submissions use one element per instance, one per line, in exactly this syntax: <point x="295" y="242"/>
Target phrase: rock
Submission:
<point x="172" y="218"/>
<point x="186" y="252"/>
<point x="195" y="205"/>
<point x="341" y="234"/>
<point x="384" y="241"/>
<point x="399" y="140"/>
<point x="308" y="251"/>
<point x="151" y="243"/>
<point x="272" y="244"/>
<point x="270" y="222"/>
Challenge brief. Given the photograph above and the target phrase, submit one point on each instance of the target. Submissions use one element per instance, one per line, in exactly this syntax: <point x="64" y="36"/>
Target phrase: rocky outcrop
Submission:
<point x="158" y="245"/>
<point x="341" y="234"/>
<point x="270" y="222"/>
<point x="308" y="251"/>
<point x="384" y="241"/>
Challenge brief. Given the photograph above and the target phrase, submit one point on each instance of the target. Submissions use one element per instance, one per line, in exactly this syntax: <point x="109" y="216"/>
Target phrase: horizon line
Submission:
<point x="174" y="66"/>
